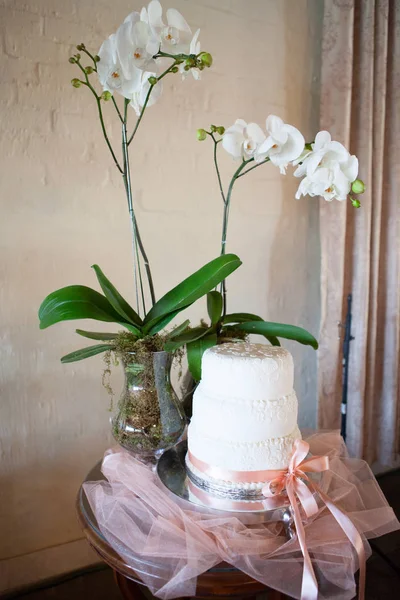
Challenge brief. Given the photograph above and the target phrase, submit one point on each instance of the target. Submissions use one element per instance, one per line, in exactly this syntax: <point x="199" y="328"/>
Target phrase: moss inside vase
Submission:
<point x="149" y="417"/>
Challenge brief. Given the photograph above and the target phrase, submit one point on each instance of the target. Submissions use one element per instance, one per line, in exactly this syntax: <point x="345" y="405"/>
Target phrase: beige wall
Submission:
<point x="63" y="208"/>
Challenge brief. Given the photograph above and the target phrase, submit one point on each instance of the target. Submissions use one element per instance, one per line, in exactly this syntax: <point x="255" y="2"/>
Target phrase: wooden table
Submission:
<point x="221" y="581"/>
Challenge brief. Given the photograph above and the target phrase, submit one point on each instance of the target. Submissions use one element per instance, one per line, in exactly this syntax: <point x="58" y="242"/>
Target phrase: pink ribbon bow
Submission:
<point x="299" y="486"/>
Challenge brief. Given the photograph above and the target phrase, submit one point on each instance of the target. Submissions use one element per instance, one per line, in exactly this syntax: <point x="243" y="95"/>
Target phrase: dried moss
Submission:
<point x="138" y="424"/>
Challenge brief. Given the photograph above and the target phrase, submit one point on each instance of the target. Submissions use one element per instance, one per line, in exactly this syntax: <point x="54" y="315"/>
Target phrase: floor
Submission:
<point x="383" y="574"/>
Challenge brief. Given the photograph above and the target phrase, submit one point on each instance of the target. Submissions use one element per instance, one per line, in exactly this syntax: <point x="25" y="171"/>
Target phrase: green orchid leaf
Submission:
<point x="115" y="299"/>
<point x="214" y="306"/>
<point x="96" y="335"/>
<point x="86" y="352"/>
<point x="158" y="324"/>
<point x="273" y="340"/>
<point x="76" y="302"/>
<point x="188" y="336"/>
<point x="289" y="332"/>
<point x="133" y="329"/>
<point x="179" y="329"/>
<point x="192" y="288"/>
<point x="240" y="318"/>
<point x="195" y="351"/>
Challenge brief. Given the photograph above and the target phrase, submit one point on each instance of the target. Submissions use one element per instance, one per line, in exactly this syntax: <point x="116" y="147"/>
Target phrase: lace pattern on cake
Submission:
<point x="273" y="453"/>
<point x="280" y="409"/>
<point x="273" y="367"/>
<point x="276" y="453"/>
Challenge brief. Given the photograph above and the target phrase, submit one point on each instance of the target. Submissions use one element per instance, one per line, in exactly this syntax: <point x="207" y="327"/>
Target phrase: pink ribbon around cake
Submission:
<point x="299" y="486"/>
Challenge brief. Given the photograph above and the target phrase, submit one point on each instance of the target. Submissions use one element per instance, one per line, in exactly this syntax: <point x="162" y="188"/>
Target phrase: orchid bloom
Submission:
<point x="136" y="45"/>
<point x="329" y="169"/>
<point x="242" y="139"/>
<point x="174" y="36"/>
<point x="111" y="74"/>
<point x="138" y="98"/>
<point x="283" y="145"/>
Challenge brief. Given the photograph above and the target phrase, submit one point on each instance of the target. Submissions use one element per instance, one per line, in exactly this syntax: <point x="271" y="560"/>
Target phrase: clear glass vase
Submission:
<point x="149" y="417"/>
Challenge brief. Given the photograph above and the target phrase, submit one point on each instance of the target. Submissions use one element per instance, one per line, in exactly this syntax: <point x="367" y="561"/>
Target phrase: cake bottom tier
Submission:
<point x="243" y="459"/>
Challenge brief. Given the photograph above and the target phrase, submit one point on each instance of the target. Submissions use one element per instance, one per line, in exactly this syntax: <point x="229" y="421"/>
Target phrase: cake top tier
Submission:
<point x="247" y="371"/>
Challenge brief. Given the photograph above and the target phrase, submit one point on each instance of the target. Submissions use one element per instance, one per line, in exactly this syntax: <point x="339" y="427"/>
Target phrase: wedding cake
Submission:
<point x="244" y="417"/>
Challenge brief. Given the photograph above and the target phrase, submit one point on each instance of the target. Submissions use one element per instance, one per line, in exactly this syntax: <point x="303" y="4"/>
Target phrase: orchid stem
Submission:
<point x="125" y="172"/>
<point x="221" y="189"/>
<point x="117" y="109"/>
<point x="100" y="111"/>
<point x="147" y="100"/>
<point x="137" y="242"/>
<point x="254" y="167"/>
<point x="227" y="203"/>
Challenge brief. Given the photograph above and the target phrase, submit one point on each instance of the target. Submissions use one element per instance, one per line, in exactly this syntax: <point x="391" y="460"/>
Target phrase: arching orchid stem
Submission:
<point x="141" y="114"/>
<point x="221" y="189"/>
<point x="147" y="100"/>
<point x="254" y="167"/>
<point x="117" y="109"/>
<point x="100" y="111"/>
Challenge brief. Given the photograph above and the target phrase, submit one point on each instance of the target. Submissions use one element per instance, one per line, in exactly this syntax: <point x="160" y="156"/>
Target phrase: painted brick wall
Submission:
<point x="63" y="209"/>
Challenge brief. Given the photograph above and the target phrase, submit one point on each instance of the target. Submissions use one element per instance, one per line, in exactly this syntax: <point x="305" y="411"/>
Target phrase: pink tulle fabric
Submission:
<point x="169" y="543"/>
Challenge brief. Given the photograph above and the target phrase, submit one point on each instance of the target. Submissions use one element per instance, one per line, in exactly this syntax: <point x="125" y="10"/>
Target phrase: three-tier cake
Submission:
<point x="244" y="418"/>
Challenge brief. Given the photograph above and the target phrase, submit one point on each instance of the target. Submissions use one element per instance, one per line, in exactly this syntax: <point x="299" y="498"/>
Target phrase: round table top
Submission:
<point x="222" y="580"/>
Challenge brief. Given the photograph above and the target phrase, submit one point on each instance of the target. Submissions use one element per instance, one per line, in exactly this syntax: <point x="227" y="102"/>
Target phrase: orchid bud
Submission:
<point x="190" y="62"/>
<point x="152" y="80"/>
<point x="206" y="59"/>
<point x="358" y="186"/>
<point x="72" y="60"/>
<point x="201" y="134"/>
<point x="186" y="68"/>
<point x="77" y="56"/>
<point x="356" y="203"/>
<point x="213" y="128"/>
<point x="221" y="130"/>
<point x="81" y="47"/>
<point x="179" y="61"/>
<point x="96" y="58"/>
<point x="200" y="66"/>
<point x="174" y="70"/>
<point x="76" y="82"/>
<point x="106" y="96"/>
<point x="89" y="70"/>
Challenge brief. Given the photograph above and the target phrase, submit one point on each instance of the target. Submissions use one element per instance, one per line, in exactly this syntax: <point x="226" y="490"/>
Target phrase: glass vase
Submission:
<point x="149" y="417"/>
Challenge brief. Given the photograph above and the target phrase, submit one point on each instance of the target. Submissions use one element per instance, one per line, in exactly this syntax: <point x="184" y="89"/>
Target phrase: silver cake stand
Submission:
<point x="171" y="469"/>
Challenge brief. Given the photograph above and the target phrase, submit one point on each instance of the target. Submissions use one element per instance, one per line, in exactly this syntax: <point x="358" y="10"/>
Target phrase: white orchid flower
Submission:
<point x="111" y="74"/>
<point x="175" y="35"/>
<point x="323" y="150"/>
<point x="136" y="45"/>
<point x="329" y="169"/>
<point x="283" y="145"/>
<point x="138" y="98"/>
<point x="193" y="49"/>
<point x="242" y="139"/>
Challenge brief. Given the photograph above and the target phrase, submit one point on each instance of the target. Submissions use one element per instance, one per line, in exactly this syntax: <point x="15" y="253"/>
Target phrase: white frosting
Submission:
<point x="244" y="420"/>
<point x="271" y="453"/>
<point x="245" y="408"/>
<point x="247" y="371"/>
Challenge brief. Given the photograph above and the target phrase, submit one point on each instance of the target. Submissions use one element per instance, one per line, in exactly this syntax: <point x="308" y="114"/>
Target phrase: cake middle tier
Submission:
<point x="244" y="420"/>
<point x="271" y="453"/>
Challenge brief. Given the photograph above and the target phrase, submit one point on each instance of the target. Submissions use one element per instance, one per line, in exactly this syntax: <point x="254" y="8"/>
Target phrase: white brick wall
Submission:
<point x="63" y="208"/>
